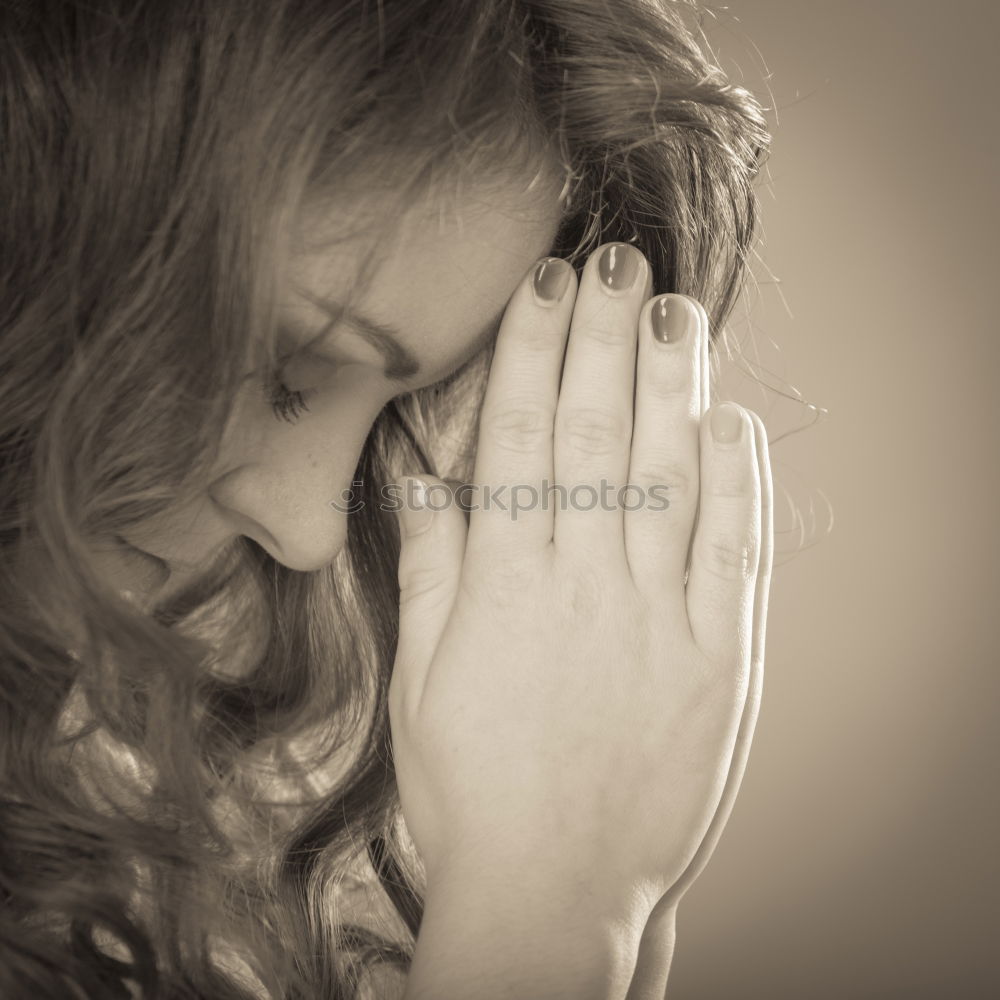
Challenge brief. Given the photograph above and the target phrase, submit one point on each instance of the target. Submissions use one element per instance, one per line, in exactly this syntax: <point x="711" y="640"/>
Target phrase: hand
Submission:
<point x="561" y="703"/>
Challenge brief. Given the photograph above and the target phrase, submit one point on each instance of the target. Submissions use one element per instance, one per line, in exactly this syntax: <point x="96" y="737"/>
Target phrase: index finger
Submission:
<point x="514" y="458"/>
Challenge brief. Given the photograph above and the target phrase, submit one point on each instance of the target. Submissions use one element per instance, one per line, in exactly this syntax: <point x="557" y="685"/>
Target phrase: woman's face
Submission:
<point x="441" y="287"/>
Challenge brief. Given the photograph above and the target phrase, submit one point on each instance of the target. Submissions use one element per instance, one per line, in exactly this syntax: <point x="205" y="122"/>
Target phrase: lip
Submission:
<point x="175" y="572"/>
<point x="172" y="565"/>
<point x="154" y="569"/>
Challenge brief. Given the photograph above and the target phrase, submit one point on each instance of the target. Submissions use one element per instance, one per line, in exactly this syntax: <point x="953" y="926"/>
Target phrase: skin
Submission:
<point x="504" y="624"/>
<point x="444" y="279"/>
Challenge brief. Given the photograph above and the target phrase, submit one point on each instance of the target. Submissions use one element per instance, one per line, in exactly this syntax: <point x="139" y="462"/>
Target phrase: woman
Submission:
<point x="256" y="258"/>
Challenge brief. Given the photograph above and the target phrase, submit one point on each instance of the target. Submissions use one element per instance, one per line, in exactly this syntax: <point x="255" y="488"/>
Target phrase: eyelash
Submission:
<point x="287" y="404"/>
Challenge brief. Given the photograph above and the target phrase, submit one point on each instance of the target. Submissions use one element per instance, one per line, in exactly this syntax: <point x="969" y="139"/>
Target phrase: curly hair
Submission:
<point x="182" y="812"/>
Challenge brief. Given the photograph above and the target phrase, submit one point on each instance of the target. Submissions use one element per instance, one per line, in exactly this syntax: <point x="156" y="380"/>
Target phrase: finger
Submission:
<point x="706" y="364"/>
<point x="706" y="381"/>
<point x="751" y="708"/>
<point x="664" y="470"/>
<point x="514" y="454"/>
<point x="762" y="589"/>
<point x="704" y="403"/>
<point x="432" y="546"/>
<point x="593" y="426"/>
<point x="725" y="552"/>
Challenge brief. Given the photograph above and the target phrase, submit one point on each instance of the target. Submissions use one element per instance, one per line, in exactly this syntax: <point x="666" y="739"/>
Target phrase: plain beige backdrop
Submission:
<point x="861" y="858"/>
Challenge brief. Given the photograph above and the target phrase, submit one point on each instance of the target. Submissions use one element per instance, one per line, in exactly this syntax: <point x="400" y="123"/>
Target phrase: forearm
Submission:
<point x="494" y="943"/>
<point x="656" y="951"/>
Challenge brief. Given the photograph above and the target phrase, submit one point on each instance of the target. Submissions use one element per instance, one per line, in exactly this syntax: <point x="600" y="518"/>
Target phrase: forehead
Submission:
<point x="446" y="267"/>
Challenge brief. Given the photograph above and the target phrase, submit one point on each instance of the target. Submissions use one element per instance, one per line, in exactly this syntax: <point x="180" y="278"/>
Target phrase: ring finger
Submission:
<point x="664" y="470"/>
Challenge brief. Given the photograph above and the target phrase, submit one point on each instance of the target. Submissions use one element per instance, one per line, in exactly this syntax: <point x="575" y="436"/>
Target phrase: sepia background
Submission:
<point x="861" y="860"/>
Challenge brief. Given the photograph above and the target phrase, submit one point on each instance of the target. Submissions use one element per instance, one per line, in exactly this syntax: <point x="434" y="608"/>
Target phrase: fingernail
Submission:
<point x="551" y="280"/>
<point x="727" y="423"/>
<point x="417" y="516"/>
<point x="619" y="267"/>
<point x="671" y="317"/>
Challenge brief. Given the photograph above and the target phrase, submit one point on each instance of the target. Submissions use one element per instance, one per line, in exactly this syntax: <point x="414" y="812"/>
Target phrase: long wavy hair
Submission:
<point x="183" y="813"/>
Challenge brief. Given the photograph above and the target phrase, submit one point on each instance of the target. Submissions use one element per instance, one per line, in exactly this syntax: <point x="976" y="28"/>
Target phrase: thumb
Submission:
<point x="433" y="531"/>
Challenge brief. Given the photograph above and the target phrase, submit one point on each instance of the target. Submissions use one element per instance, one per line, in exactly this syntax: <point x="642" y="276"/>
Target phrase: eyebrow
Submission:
<point x="400" y="363"/>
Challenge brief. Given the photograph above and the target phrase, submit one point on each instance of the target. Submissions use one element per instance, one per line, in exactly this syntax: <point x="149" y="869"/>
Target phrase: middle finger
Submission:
<point x="593" y="424"/>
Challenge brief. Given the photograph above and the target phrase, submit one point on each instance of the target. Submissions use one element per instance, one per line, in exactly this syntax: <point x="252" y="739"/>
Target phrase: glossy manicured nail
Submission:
<point x="619" y="267"/>
<point x="551" y="280"/>
<point x="671" y="317"/>
<point x="727" y="423"/>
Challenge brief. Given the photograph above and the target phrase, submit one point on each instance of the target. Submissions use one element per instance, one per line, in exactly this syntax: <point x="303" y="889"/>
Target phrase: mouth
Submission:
<point x="150" y="572"/>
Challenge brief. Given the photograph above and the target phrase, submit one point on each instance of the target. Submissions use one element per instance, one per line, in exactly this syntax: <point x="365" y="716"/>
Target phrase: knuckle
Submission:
<point x="668" y="379"/>
<point x="607" y="334"/>
<point x="511" y="575"/>
<point x="417" y="583"/>
<point x="678" y="478"/>
<point x="499" y="584"/>
<point x="585" y="594"/>
<point x="729" y="556"/>
<point x="519" y="428"/>
<point x="542" y="336"/>
<point x="591" y="430"/>
<point x="730" y="484"/>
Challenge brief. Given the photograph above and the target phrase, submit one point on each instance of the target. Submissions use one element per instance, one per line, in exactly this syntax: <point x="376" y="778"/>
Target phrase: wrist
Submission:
<point x="490" y="933"/>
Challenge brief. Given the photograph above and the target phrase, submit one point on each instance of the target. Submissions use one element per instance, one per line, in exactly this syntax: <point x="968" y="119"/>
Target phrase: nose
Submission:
<point x="289" y="515"/>
<point x="286" y="495"/>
